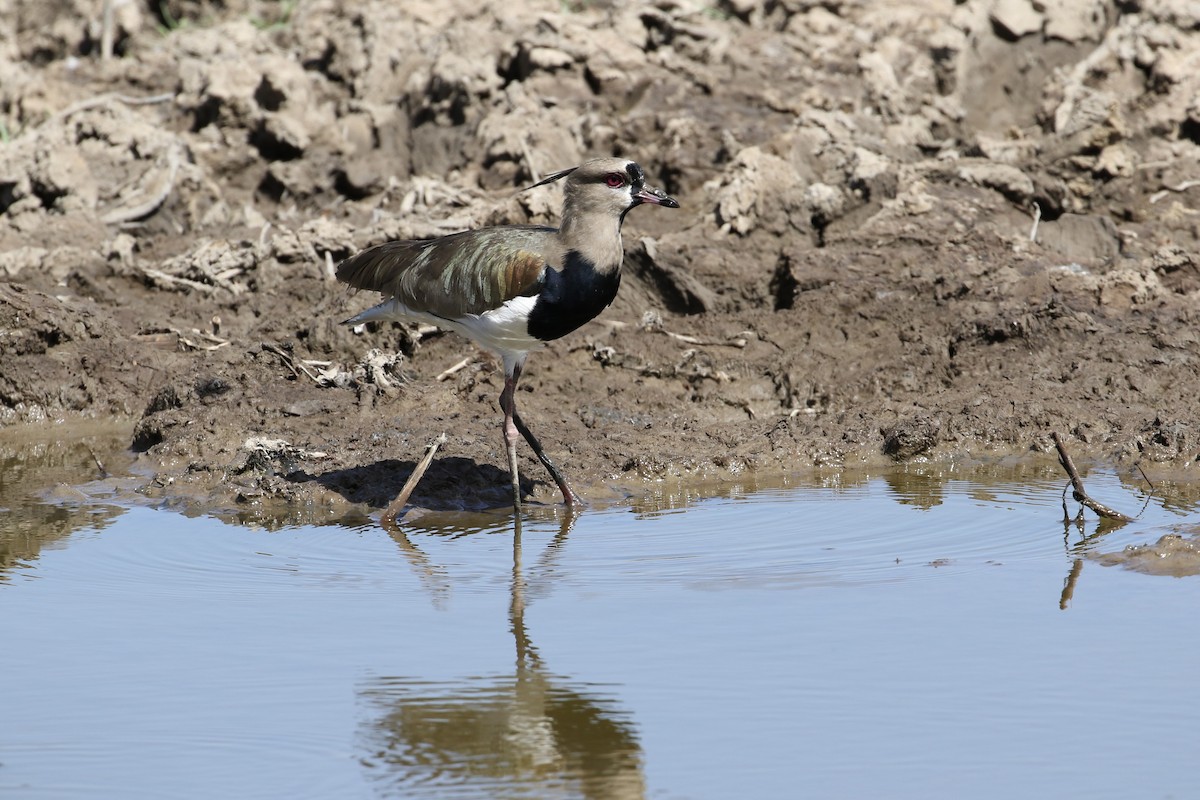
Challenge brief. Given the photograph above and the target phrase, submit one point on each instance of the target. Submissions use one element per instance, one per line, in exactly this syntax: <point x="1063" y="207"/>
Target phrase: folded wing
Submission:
<point x="464" y="273"/>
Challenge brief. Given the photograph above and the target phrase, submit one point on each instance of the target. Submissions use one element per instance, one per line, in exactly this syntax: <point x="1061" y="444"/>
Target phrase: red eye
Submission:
<point x="614" y="179"/>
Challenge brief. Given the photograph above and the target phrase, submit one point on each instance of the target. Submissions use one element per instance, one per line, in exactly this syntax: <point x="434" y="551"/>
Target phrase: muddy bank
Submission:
<point x="910" y="232"/>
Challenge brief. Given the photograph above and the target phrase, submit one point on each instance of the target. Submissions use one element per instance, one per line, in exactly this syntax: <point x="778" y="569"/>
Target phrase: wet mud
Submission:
<point x="910" y="233"/>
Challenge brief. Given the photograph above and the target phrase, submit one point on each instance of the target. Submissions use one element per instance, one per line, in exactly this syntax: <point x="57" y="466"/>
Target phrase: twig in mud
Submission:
<point x="122" y="215"/>
<point x="744" y="405"/>
<point x="1149" y="494"/>
<point x="108" y="97"/>
<point x="216" y="342"/>
<point x="170" y="281"/>
<point x="1167" y="188"/>
<point x="1146" y="478"/>
<point x="173" y="339"/>
<point x="290" y="362"/>
<point x="686" y="339"/>
<point x="446" y="373"/>
<point x="388" y="520"/>
<point x="738" y="341"/>
<point x="1080" y="494"/>
<point x="99" y="463"/>
<point x="1037" y="217"/>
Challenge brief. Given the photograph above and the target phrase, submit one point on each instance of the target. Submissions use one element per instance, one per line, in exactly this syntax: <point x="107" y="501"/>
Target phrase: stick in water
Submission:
<point x="396" y="506"/>
<point x="1080" y="494"/>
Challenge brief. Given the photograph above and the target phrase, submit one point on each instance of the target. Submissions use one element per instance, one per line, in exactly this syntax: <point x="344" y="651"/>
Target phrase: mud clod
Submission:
<point x="910" y="438"/>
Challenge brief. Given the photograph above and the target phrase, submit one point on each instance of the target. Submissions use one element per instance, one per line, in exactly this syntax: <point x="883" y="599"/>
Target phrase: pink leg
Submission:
<point x="508" y="405"/>
<point x="514" y="424"/>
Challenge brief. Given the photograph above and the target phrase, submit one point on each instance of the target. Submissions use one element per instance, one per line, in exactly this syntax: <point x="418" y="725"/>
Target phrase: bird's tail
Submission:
<point x="385" y="310"/>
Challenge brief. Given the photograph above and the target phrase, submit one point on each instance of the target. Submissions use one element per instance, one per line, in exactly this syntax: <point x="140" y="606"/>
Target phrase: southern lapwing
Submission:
<point x="511" y="288"/>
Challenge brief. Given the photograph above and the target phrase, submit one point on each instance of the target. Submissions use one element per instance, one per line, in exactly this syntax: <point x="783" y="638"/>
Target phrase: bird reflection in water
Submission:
<point x="531" y="733"/>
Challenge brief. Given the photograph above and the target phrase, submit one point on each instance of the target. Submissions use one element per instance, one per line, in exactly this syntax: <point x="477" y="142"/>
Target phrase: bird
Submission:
<point x="512" y="288"/>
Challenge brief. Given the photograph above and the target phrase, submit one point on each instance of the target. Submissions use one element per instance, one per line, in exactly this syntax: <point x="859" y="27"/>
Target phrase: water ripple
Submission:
<point x="876" y="531"/>
<point x="165" y="555"/>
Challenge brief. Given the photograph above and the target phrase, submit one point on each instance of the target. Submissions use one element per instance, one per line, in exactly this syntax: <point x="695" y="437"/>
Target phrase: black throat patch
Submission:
<point x="572" y="297"/>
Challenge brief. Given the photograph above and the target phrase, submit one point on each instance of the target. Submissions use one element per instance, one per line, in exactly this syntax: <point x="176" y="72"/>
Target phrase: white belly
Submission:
<point x="503" y="330"/>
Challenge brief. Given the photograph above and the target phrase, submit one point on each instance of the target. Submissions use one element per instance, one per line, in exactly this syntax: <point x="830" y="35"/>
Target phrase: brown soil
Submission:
<point x="851" y="279"/>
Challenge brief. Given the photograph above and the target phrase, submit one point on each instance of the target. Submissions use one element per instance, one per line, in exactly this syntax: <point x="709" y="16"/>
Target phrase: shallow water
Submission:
<point x="915" y="633"/>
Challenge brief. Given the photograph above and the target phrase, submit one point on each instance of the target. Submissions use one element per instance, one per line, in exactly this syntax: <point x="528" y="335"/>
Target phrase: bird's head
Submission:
<point x="607" y="186"/>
